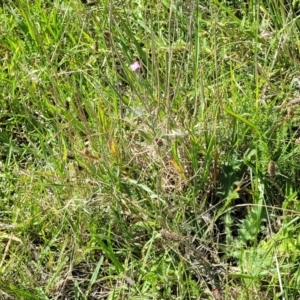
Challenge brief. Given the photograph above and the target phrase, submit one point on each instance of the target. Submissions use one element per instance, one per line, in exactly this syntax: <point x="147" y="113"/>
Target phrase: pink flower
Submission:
<point x="135" y="66"/>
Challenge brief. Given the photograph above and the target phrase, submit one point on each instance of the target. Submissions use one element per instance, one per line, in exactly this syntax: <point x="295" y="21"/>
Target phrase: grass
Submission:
<point x="176" y="181"/>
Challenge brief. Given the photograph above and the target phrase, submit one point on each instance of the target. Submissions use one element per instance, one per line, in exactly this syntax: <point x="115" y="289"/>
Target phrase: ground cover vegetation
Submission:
<point x="149" y="149"/>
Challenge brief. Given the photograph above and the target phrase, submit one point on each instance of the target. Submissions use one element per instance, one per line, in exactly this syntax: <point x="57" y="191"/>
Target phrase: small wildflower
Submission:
<point x="135" y="66"/>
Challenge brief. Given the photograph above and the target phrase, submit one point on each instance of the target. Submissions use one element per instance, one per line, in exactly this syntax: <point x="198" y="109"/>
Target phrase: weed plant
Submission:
<point x="149" y="149"/>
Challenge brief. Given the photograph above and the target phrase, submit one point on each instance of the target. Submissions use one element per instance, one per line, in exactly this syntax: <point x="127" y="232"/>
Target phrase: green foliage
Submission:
<point x="155" y="183"/>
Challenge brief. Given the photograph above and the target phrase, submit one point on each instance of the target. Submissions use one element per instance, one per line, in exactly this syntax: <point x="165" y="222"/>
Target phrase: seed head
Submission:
<point x="271" y="168"/>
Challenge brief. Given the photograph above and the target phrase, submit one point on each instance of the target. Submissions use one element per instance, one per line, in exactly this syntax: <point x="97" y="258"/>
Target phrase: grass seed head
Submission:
<point x="271" y="168"/>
